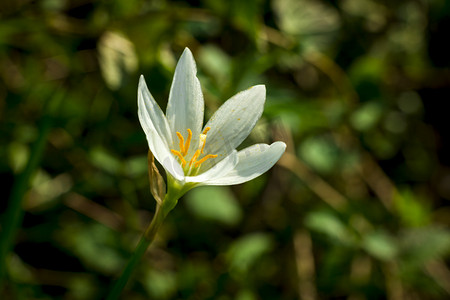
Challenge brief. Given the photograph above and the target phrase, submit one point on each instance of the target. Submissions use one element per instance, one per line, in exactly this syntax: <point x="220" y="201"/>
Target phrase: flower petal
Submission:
<point x="147" y="104"/>
<point x="222" y="168"/>
<point x="186" y="106"/>
<point x="234" y="121"/>
<point x="253" y="161"/>
<point x="157" y="131"/>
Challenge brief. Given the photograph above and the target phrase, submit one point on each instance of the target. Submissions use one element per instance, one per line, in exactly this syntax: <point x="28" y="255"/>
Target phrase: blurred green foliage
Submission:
<point x="357" y="208"/>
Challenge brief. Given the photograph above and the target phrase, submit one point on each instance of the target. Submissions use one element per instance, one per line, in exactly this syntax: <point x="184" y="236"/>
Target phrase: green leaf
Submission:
<point x="320" y="153"/>
<point x="305" y="16"/>
<point x="246" y="295"/>
<point x="366" y="116"/>
<point x="380" y="245"/>
<point x="105" y="161"/>
<point x="216" y="62"/>
<point x="411" y="210"/>
<point x="246" y="14"/>
<point x="160" y="284"/>
<point x="246" y="251"/>
<point x="18" y="155"/>
<point x="117" y="58"/>
<point x="315" y="21"/>
<point x="214" y="203"/>
<point x="330" y="225"/>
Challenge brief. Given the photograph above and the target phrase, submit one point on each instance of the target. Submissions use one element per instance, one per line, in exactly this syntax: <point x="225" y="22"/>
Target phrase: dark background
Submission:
<point x="356" y="209"/>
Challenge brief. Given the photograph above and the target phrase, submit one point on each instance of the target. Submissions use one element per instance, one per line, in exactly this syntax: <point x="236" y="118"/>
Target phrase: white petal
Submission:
<point x="222" y="168"/>
<point x="253" y="161"/>
<point x="147" y="104"/>
<point x="186" y="105"/>
<point x="164" y="156"/>
<point x="234" y="121"/>
<point x="157" y="131"/>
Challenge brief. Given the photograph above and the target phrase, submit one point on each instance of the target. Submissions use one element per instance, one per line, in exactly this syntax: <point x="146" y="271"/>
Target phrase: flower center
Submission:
<point x="195" y="163"/>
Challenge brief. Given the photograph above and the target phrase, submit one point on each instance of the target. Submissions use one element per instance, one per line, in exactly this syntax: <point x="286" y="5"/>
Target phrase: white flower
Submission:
<point x="195" y="155"/>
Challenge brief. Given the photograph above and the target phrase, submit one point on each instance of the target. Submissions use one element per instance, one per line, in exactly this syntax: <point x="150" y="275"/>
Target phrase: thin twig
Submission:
<point x="305" y="265"/>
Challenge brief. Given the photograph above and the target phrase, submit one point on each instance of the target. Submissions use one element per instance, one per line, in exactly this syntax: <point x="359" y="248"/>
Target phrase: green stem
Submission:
<point x="169" y="202"/>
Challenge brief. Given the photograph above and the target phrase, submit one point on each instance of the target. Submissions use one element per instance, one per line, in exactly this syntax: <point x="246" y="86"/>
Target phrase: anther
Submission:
<point x="194" y="158"/>
<point x="203" y="139"/>
<point x="180" y="156"/>
<point x="202" y="142"/>
<point x="184" y="148"/>
<point x="188" y="142"/>
<point x="180" y="137"/>
<point x="204" y="159"/>
<point x="206" y="130"/>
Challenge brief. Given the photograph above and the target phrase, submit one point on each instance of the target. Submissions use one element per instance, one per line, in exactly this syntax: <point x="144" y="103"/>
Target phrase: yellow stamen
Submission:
<point x="203" y="139"/>
<point x="206" y="130"/>
<point x="180" y="156"/>
<point x="188" y="142"/>
<point x="180" y="137"/>
<point x="194" y="158"/>
<point x="204" y="159"/>
<point x="184" y="149"/>
<point x="202" y="142"/>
